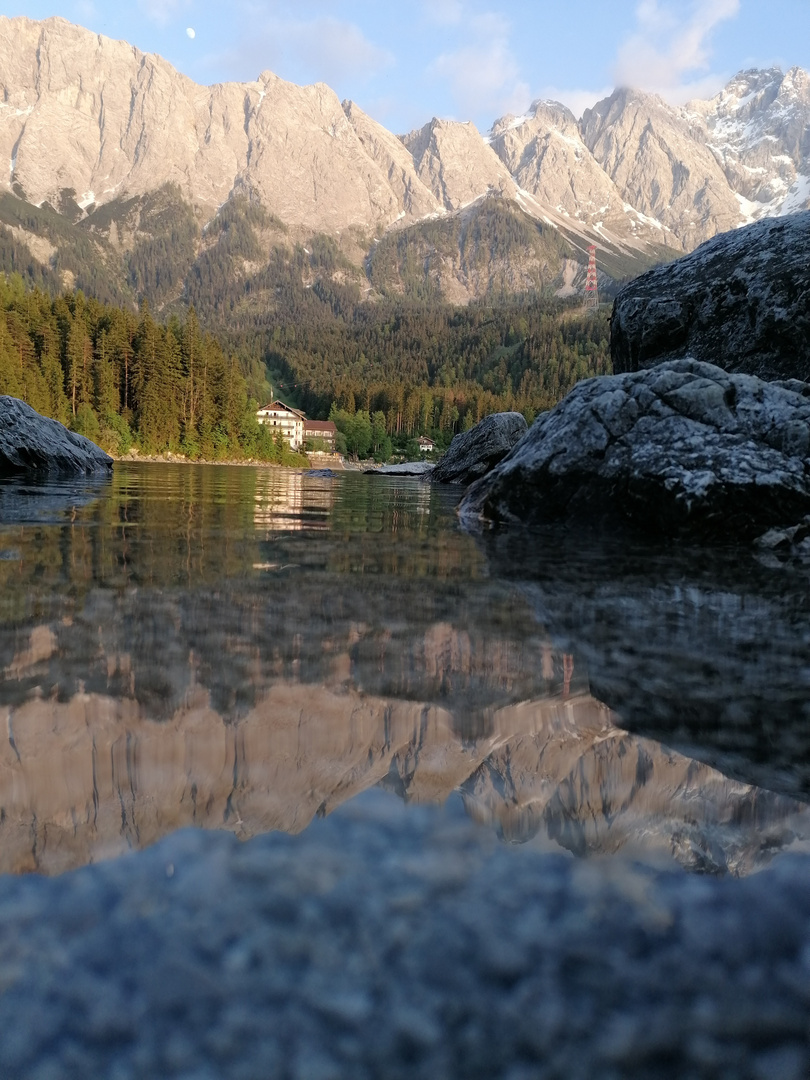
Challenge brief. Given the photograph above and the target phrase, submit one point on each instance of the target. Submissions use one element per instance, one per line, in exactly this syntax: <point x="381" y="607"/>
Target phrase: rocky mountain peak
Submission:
<point x="544" y="111"/>
<point x="797" y="83"/>
<point x="86" y="121"/>
<point x="612" y="109"/>
<point x="748" y="92"/>
<point x="96" y="118"/>
<point x="396" y="164"/>
<point x="545" y="153"/>
<point x="657" y="158"/>
<point x="456" y="164"/>
<point x="758" y="128"/>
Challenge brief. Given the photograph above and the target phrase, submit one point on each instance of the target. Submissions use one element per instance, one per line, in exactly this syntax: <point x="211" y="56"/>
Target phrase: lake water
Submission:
<point x="247" y="649"/>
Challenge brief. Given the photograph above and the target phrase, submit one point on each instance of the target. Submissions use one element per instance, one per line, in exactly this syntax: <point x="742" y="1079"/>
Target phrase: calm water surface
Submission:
<point x="246" y="649"/>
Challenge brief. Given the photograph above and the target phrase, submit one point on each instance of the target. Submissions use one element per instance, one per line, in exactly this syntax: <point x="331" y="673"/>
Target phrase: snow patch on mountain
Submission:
<point x="758" y="128"/>
<point x="798" y="196"/>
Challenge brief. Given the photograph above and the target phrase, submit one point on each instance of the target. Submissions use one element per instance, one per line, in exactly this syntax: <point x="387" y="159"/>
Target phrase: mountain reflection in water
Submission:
<point x="246" y="649"/>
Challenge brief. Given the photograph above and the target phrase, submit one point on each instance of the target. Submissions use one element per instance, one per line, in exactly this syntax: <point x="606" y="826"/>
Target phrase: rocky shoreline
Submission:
<point x="170" y="458"/>
<point x="703" y="432"/>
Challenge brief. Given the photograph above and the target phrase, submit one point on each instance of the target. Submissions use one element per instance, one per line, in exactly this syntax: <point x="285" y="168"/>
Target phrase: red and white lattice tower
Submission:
<point x="591" y="284"/>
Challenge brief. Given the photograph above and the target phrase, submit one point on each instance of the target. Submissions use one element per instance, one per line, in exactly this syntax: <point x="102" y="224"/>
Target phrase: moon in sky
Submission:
<point x="191" y="32"/>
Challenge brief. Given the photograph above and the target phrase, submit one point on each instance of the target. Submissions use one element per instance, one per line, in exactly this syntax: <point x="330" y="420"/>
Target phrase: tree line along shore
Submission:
<point x="385" y="373"/>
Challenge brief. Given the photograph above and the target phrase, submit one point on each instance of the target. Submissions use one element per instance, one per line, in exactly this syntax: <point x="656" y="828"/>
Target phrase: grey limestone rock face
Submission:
<point x="30" y="443"/>
<point x="756" y="127"/>
<point x="99" y="117"/>
<point x="684" y="450"/>
<point x="658" y="159"/>
<point x="473" y="453"/>
<point x="455" y="164"/>
<point x="741" y="301"/>
<point x="96" y="120"/>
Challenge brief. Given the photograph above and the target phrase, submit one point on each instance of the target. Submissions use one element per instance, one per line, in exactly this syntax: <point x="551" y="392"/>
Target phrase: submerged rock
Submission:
<point x="30" y="443"/>
<point x="741" y="301"/>
<point x="473" y="453"/>
<point x="684" y="449"/>
<point x="404" y="468"/>
<point x="789" y="542"/>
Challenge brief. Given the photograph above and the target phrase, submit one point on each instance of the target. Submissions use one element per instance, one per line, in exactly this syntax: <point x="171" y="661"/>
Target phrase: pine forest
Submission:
<point x="190" y="381"/>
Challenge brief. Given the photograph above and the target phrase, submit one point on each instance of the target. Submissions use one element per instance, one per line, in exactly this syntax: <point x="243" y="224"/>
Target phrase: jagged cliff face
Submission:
<point x="548" y="158"/>
<point x="86" y="122"/>
<point x="396" y="163"/>
<point x="637" y="164"/>
<point x="655" y="159"/>
<point x="454" y="162"/>
<point x="97" y="116"/>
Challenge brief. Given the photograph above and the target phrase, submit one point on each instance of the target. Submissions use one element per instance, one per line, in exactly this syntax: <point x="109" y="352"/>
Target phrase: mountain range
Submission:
<point x="123" y="175"/>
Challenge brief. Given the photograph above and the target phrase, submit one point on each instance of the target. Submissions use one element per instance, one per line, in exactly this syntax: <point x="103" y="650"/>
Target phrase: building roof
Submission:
<point x="279" y="406"/>
<point x="320" y="425"/>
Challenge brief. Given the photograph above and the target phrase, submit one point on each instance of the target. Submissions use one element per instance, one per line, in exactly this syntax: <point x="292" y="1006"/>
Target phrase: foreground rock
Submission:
<point x="386" y="943"/>
<point x="473" y="453"/>
<point x="741" y="301"/>
<point x="30" y="443"/>
<point x="682" y="450"/>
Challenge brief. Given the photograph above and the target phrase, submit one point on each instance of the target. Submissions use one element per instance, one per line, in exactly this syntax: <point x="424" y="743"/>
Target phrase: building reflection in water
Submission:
<point x="289" y="501"/>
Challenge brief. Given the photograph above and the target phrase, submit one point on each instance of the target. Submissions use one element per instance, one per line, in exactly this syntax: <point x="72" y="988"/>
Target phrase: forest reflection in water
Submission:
<point x="245" y="649"/>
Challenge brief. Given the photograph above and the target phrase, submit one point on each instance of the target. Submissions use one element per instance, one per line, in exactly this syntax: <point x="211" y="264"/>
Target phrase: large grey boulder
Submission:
<point x="30" y="443"/>
<point x="473" y="453"/>
<point x="684" y="449"/>
<point x="741" y="301"/>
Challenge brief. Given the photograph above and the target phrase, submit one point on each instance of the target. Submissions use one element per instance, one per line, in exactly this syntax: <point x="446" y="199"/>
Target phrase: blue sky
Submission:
<point x="462" y="59"/>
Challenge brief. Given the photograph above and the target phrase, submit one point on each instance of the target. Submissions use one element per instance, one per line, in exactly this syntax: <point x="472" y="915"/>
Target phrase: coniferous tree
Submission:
<point x="10" y="374"/>
<point x="106" y="393"/>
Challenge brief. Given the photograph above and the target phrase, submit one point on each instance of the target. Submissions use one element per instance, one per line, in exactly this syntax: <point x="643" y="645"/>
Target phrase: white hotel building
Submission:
<point x="285" y="419"/>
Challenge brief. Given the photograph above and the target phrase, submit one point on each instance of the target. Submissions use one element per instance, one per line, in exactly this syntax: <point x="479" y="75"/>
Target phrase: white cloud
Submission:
<point x="320" y="49"/>
<point x="577" y="100"/>
<point x="444" y="12"/>
<point x="670" y="51"/>
<point x="482" y="73"/>
<point x="161" y="11"/>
